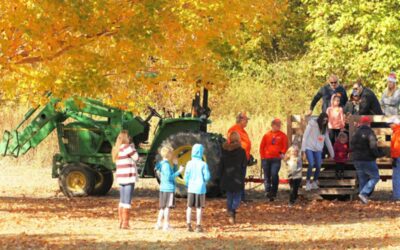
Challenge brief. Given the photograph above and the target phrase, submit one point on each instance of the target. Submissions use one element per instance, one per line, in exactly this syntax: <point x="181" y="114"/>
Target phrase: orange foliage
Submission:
<point x="119" y="49"/>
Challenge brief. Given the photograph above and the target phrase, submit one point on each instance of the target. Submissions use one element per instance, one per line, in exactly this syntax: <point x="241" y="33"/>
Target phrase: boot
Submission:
<point x="199" y="229"/>
<point x="125" y="218"/>
<point x="189" y="227"/>
<point x="232" y="217"/>
<point x="120" y="209"/>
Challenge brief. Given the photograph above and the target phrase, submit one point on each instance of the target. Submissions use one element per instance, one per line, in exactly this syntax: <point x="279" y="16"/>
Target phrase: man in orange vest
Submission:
<point x="241" y="123"/>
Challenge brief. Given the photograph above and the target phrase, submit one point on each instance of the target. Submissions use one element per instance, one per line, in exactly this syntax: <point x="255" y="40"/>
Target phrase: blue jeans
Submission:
<point x="243" y="190"/>
<point x="314" y="159"/>
<point x="396" y="180"/>
<point x="125" y="195"/>
<point x="233" y="200"/>
<point x="368" y="176"/>
<point x="271" y="169"/>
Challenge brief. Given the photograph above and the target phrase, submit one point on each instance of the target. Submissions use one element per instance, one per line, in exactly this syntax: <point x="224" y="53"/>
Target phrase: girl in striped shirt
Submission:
<point x="125" y="157"/>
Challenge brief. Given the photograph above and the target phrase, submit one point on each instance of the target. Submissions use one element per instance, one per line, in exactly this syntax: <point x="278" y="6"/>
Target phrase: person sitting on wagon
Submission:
<point x="369" y="103"/>
<point x="390" y="101"/>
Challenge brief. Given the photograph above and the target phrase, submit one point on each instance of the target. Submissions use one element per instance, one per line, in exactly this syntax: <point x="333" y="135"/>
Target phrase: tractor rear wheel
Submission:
<point x="77" y="180"/>
<point x="182" y="144"/>
<point x="103" y="182"/>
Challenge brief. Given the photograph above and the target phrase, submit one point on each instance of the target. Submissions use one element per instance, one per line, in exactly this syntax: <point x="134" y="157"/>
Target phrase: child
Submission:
<point x="197" y="175"/>
<point x="341" y="149"/>
<point x="167" y="176"/>
<point x="125" y="157"/>
<point x="336" y="116"/>
<point x="233" y="162"/>
<point x="295" y="166"/>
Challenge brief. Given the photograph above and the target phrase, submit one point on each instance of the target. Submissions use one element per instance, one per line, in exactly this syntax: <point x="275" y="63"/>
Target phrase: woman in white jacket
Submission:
<point x="314" y="139"/>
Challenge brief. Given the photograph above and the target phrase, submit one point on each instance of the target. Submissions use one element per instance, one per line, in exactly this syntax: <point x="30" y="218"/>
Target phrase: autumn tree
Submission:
<point x="120" y="50"/>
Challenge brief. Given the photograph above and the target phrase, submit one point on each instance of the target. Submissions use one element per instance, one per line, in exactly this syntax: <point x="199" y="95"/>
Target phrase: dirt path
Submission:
<point x="33" y="215"/>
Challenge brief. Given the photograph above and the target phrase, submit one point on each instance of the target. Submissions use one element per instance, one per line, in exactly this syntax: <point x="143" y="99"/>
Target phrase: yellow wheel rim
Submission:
<point x="76" y="181"/>
<point x="183" y="154"/>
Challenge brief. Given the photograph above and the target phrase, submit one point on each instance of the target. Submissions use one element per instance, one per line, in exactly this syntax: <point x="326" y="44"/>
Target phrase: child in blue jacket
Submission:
<point x="197" y="175"/>
<point x="167" y="175"/>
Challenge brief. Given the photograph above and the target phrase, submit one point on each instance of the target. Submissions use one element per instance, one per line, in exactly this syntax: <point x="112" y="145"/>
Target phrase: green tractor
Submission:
<point x="87" y="129"/>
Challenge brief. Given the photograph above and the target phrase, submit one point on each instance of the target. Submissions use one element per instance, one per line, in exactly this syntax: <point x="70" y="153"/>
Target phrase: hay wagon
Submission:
<point x="346" y="188"/>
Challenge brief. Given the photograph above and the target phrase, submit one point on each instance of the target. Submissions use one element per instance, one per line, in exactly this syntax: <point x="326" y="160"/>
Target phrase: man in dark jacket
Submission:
<point x="233" y="162"/>
<point x="365" y="150"/>
<point x="369" y="103"/>
<point x="326" y="93"/>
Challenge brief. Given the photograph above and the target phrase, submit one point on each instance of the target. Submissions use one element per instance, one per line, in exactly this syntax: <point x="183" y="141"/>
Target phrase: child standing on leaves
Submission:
<point x="125" y="157"/>
<point x="197" y="175"/>
<point x="167" y="175"/>
<point x="233" y="162"/>
<point x="341" y="149"/>
<point x="295" y="166"/>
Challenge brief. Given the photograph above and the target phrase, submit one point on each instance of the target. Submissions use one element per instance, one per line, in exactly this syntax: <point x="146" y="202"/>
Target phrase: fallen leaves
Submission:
<point x="40" y="221"/>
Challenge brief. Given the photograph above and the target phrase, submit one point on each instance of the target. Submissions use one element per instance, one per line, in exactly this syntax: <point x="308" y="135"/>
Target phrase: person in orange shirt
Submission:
<point x="273" y="147"/>
<point x="395" y="154"/>
<point x="241" y="123"/>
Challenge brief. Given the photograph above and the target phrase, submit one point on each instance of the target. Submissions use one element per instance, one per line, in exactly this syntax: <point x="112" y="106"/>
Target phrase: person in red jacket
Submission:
<point x="395" y="154"/>
<point x="241" y="123"/>
<point x="341" y="149"/>
<point x="273" y="147"/>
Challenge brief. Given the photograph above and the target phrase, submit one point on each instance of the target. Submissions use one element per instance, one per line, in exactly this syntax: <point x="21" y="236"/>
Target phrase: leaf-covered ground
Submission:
<point x="33" y="215"/>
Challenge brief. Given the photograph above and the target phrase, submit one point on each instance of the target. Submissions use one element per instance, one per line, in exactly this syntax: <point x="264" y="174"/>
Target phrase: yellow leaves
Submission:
<point x="96" y="48"/>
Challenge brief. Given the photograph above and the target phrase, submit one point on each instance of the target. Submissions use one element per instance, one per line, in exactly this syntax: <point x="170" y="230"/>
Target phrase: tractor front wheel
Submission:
<point x="103" y="182"/>
<point x="77" y="180"/>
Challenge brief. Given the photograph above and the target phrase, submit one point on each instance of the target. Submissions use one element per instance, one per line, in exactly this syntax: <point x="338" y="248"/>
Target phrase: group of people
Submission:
<point x="326" y="135"/>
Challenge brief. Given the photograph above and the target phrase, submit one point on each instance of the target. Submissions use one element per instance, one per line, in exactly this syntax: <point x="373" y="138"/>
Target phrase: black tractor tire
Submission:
<point x="212" y="155"/>
<point x="103" y="182"/>
<point x="77" y="180"/>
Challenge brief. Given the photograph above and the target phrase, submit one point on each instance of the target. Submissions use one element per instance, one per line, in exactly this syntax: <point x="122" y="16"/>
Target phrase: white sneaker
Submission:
<point x="308" y="186"/>
<point x="363" y="198"/>
<point x="314" y="185"/>
<point x="157" y="227"/>
<point x="166" y="227"/>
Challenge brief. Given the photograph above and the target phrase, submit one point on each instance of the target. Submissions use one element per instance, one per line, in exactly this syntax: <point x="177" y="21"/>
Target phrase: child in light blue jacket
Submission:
<point x="197" y="175"/>
<point x="167" y="175"/>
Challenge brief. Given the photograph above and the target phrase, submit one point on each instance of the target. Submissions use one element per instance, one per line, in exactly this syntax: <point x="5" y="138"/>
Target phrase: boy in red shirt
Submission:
<point x="341" y="149"/>
<point x="272" y="150"/>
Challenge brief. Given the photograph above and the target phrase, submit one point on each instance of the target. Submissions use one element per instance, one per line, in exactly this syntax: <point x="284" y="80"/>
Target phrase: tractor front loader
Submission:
<point x="87" y="129"/>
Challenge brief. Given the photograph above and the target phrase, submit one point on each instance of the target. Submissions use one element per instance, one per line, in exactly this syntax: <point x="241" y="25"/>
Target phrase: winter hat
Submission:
<point x="393" y="120"/>
<point x="276" y="121"/>
<point x="392" y="77"/>
<point x="365" y="120"/>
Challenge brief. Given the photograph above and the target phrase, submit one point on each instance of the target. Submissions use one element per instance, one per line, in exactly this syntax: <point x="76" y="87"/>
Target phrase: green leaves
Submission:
<point x="355" y="39"/>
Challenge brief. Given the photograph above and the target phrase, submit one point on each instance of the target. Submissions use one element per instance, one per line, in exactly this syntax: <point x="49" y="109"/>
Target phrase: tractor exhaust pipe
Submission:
<point x="205" y="99"/>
